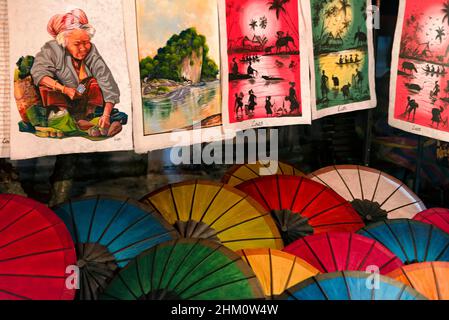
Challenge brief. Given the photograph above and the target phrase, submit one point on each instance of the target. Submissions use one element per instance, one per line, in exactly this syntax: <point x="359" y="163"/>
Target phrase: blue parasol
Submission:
<point x="353" y="285"/>
<point x="411" y="241"/>
<point x="109" y="232"/>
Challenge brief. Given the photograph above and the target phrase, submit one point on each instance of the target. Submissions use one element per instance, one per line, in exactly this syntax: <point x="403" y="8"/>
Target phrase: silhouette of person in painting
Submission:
<point x="235" y="67"/>
<point x="238" y="105"/>
<point x="324" y="85"/>
<point x="268" y="107"/>
<point x="251" y="71"/>
<point x="341" y="59"/>
<point x="293" y="98"/>
<point x="411" y="107"/>
<point x="436" y="116"/>
<point x="252" y="103"/>
<point x="436" y="90"/>
<point x="359" y="76"/>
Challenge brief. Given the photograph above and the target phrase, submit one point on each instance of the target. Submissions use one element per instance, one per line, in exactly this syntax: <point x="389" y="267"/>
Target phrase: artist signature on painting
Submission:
<point x="256" y="123"/>
<point x="416" y="128"/>
<point x="342" y="108"/>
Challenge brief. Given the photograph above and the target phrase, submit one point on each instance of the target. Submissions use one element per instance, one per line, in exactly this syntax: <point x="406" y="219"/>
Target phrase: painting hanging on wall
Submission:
<point x="341" y="54"/>
<point x="71" y="90"/>
<point x="419" y="97"/>
<point x="265" y="65"/>
<point x="174" y="61"/>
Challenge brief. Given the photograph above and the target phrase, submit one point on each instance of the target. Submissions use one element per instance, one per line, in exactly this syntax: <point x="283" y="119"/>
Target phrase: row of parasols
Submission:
<point x="341" y="233"/>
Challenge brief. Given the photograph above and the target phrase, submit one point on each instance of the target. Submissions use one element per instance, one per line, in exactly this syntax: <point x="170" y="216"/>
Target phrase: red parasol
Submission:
<point x="302" y="207"/>
<point x="438" y="217"/>
<point x="35" y="251"/>
<point x="341" y="251"/>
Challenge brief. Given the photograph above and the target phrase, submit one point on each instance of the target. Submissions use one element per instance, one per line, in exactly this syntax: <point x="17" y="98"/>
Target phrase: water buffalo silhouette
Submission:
<point x="408" y="66"/>
<point x="269" y="49"/>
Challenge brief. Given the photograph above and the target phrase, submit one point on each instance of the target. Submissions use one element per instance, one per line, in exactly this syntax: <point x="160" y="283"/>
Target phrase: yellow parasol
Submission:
<point x="241" y="173"/>
<point x="215" y="211"/>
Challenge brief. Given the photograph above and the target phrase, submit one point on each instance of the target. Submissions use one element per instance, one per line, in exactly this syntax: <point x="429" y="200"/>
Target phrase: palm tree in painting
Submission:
<point x="440" y="34"/>
<point x="345" y="6"/>
<point x="445" y="10"/>
<point x="279" y="7"/>
<point x="253" y="24"/>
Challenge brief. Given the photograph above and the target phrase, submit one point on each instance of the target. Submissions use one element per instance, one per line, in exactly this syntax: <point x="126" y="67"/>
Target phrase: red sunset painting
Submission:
<point x="423" y="82"/>
<point x="263" y="59"/>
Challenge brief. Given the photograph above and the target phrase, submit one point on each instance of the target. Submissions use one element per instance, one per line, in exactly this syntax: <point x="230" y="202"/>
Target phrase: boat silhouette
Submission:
<point x="345" y="63"/>
<point x="435" y="72"/>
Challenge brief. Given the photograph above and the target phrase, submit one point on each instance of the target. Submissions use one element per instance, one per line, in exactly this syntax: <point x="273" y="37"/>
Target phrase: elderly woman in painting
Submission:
<point x="72" y="76"/>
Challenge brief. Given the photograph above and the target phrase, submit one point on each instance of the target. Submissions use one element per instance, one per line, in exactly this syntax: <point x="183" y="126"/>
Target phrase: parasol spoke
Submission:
<point x="360" y="182"/>
<point x="112" y="219"/>
<point x="219" y="286"/>
<point x="26" y="237"/>
<point x="15" y="295"/>
<point x="94" y="211"/>
<point x="344" y="182"/>
<point x="174" y="204"/>
<point x="17" y="220"/>
<point x="198" y="266"/>
<point x="125" y="230"/>
<point x="152" y="237"/>
<point x="33" y="254"/>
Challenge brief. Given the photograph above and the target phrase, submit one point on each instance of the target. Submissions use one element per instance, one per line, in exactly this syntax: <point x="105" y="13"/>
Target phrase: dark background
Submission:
<point x="362" y="138"/>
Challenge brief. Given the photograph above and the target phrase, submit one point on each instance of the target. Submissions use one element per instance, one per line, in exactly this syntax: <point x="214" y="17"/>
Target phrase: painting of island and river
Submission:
<point x="179" y="64"/>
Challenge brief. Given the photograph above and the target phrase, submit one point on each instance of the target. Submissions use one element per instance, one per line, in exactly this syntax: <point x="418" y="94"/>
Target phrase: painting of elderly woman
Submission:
<point x="67" y="89"/>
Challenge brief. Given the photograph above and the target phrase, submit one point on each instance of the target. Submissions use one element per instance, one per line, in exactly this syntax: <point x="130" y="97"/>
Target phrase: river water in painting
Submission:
<point x="182" y="108"/>
<point x="284" y="67"/>
<point x="346" y="76"/>
<point x="418" y="86"/>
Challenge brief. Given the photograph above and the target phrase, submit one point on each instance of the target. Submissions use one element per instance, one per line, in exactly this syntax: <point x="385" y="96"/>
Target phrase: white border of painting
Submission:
<point x="142" y="143"/>
<point x="401" y="124"/>
<point x="306" y="117"/>
<point x="368" y="104"/>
